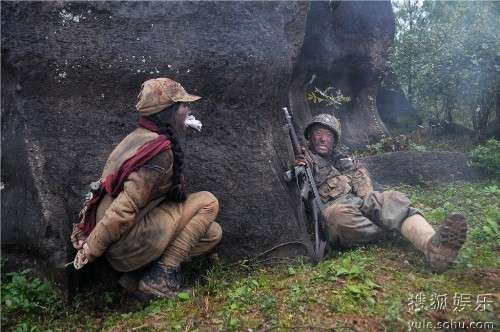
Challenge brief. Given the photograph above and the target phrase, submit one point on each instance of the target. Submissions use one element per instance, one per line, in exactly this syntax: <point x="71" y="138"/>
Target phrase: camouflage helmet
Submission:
<point x="327" y="120"/>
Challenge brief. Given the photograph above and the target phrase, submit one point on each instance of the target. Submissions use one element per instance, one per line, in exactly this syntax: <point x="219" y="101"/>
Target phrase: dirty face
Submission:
<point x="180" y="117"/>
<point x="322" y="140"/>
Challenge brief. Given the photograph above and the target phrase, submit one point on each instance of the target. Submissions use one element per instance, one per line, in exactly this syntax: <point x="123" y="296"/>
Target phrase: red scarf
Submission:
<point x="113" y="184"/>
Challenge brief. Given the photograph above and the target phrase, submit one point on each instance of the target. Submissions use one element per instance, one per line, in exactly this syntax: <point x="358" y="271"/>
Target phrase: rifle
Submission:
<point x="296" y="172"/>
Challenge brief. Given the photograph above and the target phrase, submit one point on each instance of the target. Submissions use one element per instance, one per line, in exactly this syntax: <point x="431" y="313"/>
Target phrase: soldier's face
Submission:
<point x="180" y="117"/>
<point x="322" y="140"/>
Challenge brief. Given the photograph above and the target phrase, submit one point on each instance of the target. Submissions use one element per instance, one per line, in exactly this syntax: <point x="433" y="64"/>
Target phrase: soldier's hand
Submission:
<point x="304" y="159"/>
<point x="300" y="160"/>
<point x="79" y="244"/>
<point x="83" y="256"/>
<point x="346" y="164"/>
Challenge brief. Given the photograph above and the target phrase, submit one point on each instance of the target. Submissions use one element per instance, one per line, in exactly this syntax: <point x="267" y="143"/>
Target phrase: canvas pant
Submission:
<point x="152" y="235"/>
<point x="351" y="221"/>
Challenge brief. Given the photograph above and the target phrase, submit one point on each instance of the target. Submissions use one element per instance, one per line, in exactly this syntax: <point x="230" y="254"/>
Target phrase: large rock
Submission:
<point x="72" y="72"/>
<point x="389" y="169"/>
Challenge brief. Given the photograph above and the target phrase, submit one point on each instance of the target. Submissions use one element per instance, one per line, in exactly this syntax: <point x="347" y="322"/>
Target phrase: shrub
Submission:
<point x="393" y="144"/>
<point x="487" y="156"/>
<point x="23" y="294"/>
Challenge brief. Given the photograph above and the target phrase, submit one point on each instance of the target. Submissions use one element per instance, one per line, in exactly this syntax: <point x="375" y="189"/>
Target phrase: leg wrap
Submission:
<point x="199" y="212"/>
<point x="211" y="238"/>
<point x="418" y="231"/>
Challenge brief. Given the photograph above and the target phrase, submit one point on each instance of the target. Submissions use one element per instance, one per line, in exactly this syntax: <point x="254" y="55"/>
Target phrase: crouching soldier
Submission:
<point x="355" y="214"/>
<point x="138" y="214"/>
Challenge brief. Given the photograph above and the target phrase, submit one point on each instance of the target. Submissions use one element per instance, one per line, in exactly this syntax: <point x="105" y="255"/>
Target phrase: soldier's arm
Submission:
<point x="139" y="189"/>
<point x="360" y="177"/>
<point x="361" y="181"/>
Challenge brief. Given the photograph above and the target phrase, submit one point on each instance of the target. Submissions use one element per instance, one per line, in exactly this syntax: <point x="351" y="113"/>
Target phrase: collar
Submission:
<point x="146" y="123"/>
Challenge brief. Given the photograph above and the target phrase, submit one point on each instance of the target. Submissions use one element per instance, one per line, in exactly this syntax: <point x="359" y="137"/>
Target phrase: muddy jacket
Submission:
<point x="339" y="176"/>
<point x="142" y="191"/>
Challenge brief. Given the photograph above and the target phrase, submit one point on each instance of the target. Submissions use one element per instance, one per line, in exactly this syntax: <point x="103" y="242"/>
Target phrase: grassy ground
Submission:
<point x="418" y="141"/>
<point x="384" y="287"/>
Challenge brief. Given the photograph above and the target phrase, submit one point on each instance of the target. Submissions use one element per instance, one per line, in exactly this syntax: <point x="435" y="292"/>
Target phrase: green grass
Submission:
<point x="372" y="288"/>
<point x="486" y="155"/>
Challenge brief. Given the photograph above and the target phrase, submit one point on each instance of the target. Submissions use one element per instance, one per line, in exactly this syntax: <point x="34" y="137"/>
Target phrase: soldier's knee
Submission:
<point x="338" y="213"/>
<point x="397" y="196"/>
<point x="214" y="233"/>
<point x="207" y="201"/>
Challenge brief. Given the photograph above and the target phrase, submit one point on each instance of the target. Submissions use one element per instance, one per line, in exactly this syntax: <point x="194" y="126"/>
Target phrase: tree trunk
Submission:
<point x="448" y="106"/>
<point x="345" y="47"/>
<point x="394" y="108"/>
<point x="486" y="108"/>
<point x="497" y="113"/>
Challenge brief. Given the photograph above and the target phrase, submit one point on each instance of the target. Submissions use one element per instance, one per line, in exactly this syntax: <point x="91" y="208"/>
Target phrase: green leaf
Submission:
<point x="234" y="322"/>
<point x="493" y="224"/>
<point x="487" y="230"/>
<point x="341" y="271"/>
<point x="354" y="289"/>
<point x="355" y="270"/>
<point x="184" y="296"/>
<point x="371" y="284"/>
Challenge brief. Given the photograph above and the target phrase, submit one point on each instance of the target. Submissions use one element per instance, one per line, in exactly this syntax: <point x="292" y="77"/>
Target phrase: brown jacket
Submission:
<point x="142" y="191"/>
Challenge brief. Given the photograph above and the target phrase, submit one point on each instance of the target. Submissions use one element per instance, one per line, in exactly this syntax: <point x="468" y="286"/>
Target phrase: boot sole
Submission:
<point x="445" y="244"/>
<point x="453" y="232"/>
<point x="156" y="292"/>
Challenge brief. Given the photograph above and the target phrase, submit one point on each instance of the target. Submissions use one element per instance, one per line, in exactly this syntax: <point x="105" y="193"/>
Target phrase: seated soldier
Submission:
<point x="138" y="214"/>
<point x="355" y="214"/>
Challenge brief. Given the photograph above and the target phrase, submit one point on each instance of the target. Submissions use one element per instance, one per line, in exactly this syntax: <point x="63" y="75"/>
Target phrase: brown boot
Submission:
<point x="443" y="247"/>
<point x="161" y="281"/>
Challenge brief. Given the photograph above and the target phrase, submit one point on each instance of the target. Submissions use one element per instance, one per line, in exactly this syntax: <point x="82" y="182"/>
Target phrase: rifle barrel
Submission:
<point x="317" y="204"/>
<point x="293" y="134"/>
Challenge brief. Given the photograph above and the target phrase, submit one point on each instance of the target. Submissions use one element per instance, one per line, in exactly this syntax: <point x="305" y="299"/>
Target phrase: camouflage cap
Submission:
<point x="159" y="93"/>
<point x="326" y="120"/>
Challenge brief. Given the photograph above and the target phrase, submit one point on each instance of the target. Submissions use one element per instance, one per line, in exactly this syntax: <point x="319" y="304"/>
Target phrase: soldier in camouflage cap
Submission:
<point x="355" y="214"/>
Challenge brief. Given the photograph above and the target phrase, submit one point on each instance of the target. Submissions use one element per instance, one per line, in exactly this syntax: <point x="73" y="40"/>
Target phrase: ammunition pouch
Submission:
<point x="334" y="187"/>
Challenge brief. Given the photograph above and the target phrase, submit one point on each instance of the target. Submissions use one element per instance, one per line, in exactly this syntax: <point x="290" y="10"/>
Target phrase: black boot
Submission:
<point x="161" y="281"/>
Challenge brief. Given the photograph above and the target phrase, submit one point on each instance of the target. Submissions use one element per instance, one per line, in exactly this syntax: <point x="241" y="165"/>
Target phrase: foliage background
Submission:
<point x="447" y="58"/>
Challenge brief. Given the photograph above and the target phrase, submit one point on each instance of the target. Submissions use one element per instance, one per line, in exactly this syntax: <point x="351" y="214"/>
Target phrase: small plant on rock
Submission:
<point x="328" y="97"/>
